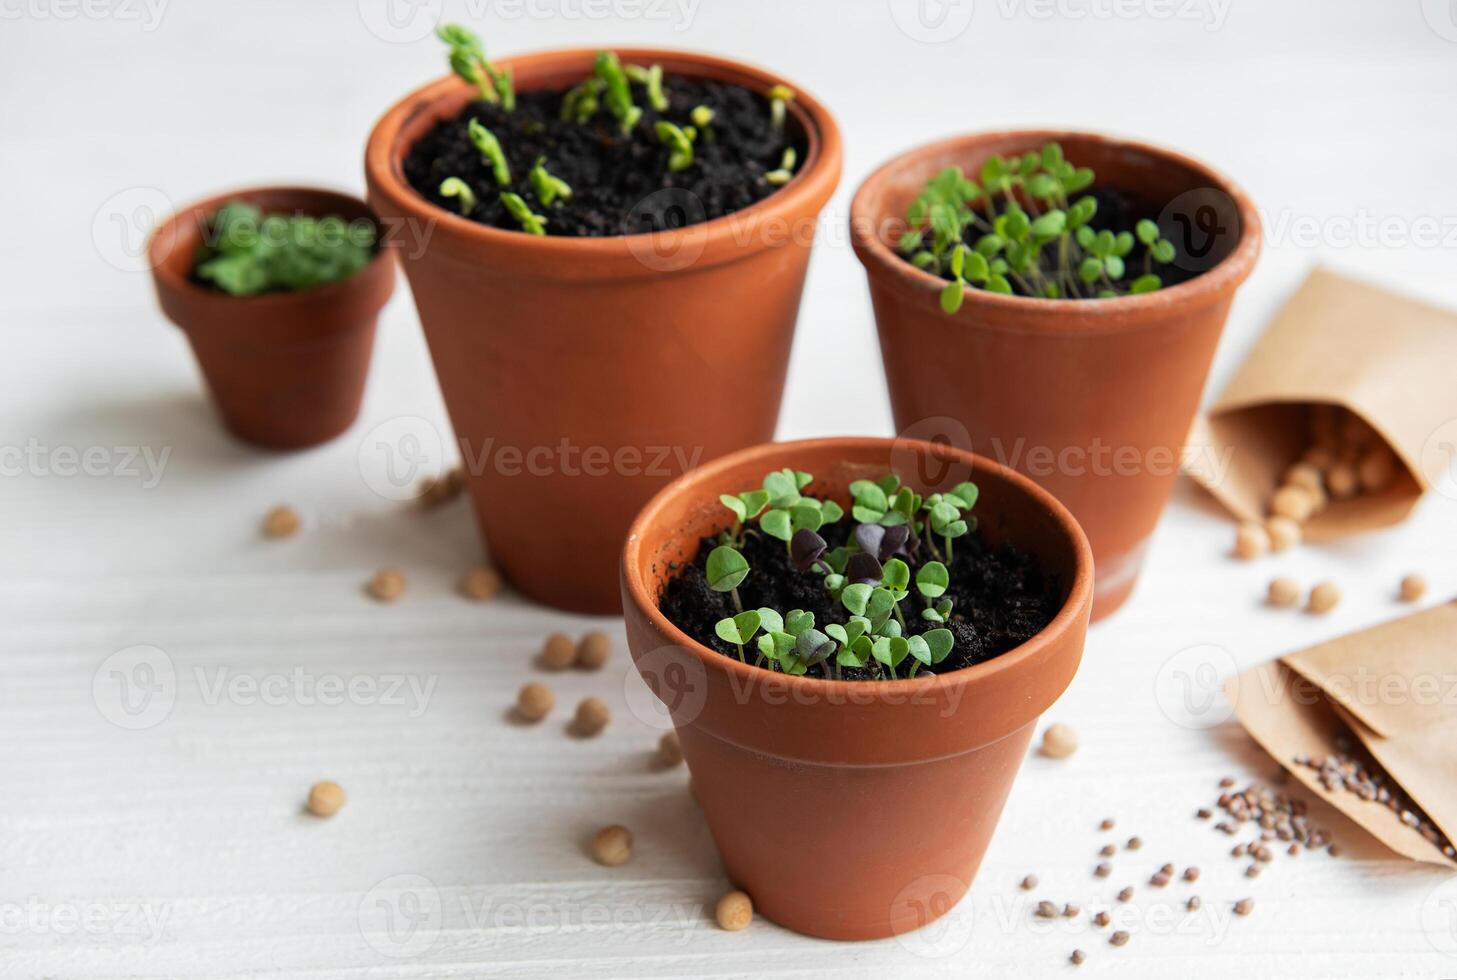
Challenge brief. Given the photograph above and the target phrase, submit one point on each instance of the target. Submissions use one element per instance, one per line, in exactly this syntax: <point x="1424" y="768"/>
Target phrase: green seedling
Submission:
<point x="1022" y="228"/>
<point x="785" y="173"/>
<point x="650" y="78"/>
<point x="615" y="92"/>
<point x="739" y="629"/>
<point x="490" y="148"/>
<point x="726" y="570"/>
<point x="779" y="98"/>
<point x="468" y="60"/>
<point x="929" y="648"/>
<point x="460" y="190"/>
<point x="530" y="222"/>
<point x="702" y="116"/>
<point x="546" y="187"/>
<point x="679" y="141"/>
<point x="246" y="252"/>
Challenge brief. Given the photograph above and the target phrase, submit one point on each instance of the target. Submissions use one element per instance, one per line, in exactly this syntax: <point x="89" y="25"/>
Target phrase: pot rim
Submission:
<point x="806" y="193"/>
<point x="163" y="241"/>
<point x="1123" y="311"/>
<point x="1079" y="595"/>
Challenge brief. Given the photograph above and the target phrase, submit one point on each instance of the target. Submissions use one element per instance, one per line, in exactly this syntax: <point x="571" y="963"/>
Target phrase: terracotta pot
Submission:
<point x="286" y="370"/>
<point x="582" y="374"/>
<point x="1093" y="399"/>
<point x="853" y="810"/>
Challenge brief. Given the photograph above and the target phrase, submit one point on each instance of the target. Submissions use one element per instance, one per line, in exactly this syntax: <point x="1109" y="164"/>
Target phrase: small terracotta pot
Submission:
<point x="1092" y="398"/>
<point x="286" y="370"/>
<point x="581" y="374"/>
<point x="853" y="810"/>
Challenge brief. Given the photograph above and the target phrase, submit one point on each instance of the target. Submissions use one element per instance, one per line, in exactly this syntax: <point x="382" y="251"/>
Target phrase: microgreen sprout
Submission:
<point x="779" y="98"/>
<point x="650" y="78"/>
<point x="246" y="251"/>
<point x="1022" y="228"/>
<point x="468" y="60"/>
<point x="531" y="223"/>
<point x="787" y="162"/>
<point x="616" y="93"/>
<point x="485" y="141"/>
<point x="460" y="190"/>
<point x="679" y="141"/>
<point x="545" y="186"/>
<point x="702" y="116"/>
<point x="727" y="570"/>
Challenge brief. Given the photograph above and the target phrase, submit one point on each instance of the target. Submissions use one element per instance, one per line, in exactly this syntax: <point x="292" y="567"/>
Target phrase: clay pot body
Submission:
<point x="581" y="374"/>
<point x="853" y="810"/>
<point x="1092" y="398"/>
<point x="285" y="370"/>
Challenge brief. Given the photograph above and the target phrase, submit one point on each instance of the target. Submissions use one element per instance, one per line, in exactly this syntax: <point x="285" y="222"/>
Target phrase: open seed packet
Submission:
<point x="1328" y="419"/>
<point x="1368" y="722"/>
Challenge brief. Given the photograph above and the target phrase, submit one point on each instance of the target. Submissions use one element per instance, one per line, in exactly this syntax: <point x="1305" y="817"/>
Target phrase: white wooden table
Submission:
<point x="169" y="842"/>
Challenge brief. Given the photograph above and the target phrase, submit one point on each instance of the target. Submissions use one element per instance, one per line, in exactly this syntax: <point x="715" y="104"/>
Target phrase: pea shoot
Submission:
<point x="779" y="98"/>
<point x="485" y="141"/>
<point x="468" y="60"/>
<point x="516" y="206"/>
<point x="679" y="141"/>
<point x="547" y="187"/>
<point x="460" y="190"/>
<point x="1024" y="227"/>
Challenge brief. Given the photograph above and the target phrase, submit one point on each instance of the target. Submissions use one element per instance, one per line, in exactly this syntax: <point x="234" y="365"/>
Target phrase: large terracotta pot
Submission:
<point x="853" y="810"/>
<point x="285" y="370"/>
<point x="1093" y="399"/>
<point x="609" y="364"/>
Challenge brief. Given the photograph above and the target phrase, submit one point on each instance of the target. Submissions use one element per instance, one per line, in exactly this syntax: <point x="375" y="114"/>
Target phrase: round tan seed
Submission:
<point x="281" y="522"/>
<point x="1413" y="587"/>
<point x="1251" y="540"/>
<point x="326" y="799"/>
<point x="1078" y="957"/>
<point x="1059" y="741"/>
<point x="557" y="653"/>
<point x="1119" y="938"/>
<point x="592" y="716"/>
<point x="594" y="650"/>
<point x="534" y="701"/>
<point x="1319" y="457"/>
<point x="612" y="846"/>
<point x="387" y="585"/>
<point x="1284" y="533"/>
<point x="1295" y="503"/>
<point x="670" y="752"/>
<point x="1029" y="883"/>
<point x="1342" y="481"/>
<point x="734" y="911"/>
<point x="1284" y="592"/>
<point x="481" y="582"/>
<point x="1306" y="476"/>
<point x="1377" y="469"/>
<point x="1244" y="906"/>
<point x="1107" y="824"/>
<point x="1323" y="598"/>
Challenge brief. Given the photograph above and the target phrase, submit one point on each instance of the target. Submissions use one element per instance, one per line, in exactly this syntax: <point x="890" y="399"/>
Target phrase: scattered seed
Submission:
<point x="281" y="522"/>
<point x="557" y="653"/>
<point x="1335" y="850"/>
<point x="326" y="799"/>
<point x="1251" y="540"/>
<point x="1342" y="481"/>
<point x="1284" y="533"/>
<point x="1193" y="904"/>
<point x="1077" y="957"/>
<point x="1253" y="871"/>
<point x="1119" y="938"/>
<point x="1070" y="911"/>
<point x="1293" y="850"/>
<point x="1296" y="503"/>
<point x="612" y="845"/>
<point x="1283" y="592"/>
<point x="670" y="752"/>
<point x="534" y="701"/>
<point x="1203" y="813"/>
<point x="1059" y="741"/>
<point x="592" y="717"/>
<point x="735" y="910"/>
<point x="1046" y="910"/>
<point x="1413" y="587"/>
<point x="1134" y="843"/>
<point x="1323" y="598"/>
<point x="446" y="487"/>
<point x="1238" y="851"/>
<point x="1244" y="906"/>
<point x="594" y="650"/>
<point x="387" y="585"/>
<point x="1227" y="782"/>
<point x="1102" y="919"/>
<point x="481" y="582"/>
<point x="1029" y="883"/>
<point x="1167" y="869"/>
<point x="1107" y="824"/>
<point x="1191" y="874"/>
<point x="1159" y="880"/>
<point x="1126" y="895"/>
<point x="1103" y="870"/>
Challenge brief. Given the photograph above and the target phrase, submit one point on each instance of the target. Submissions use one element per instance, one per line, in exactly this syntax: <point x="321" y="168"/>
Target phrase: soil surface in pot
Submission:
<point x="621" y="184"/>
<point x="1002" y="598"/>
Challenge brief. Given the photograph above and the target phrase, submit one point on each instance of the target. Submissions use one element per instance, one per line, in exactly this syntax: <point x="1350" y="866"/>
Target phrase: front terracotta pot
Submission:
<point x="853" y="810"/>
<point x="285" y="370"/>
<point x="1092" y="398"/>
<point x="581" y="374"/>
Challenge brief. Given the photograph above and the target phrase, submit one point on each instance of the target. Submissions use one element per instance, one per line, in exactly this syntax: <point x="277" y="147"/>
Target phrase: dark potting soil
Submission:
<point x="620" y="184"/>
<point x="1117" y="212"/>
<point x="1001" y="598"/>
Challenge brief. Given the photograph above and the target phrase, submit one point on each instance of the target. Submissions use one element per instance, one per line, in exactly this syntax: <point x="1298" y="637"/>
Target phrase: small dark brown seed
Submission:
<point x="1029" y="883"/>
<point x="1226" y="782"/>
<point x="1108" y="850"/>
<point x="1077" y="957"/>
<point x="1070" y="911"/>
<point x="1101" y="919"/>
<point x="1119" y="938"/>
<point x="1194" y="903"/>
<point x="1204" y="813"/>
<point x="1244" y="906"/>
<point x="1293" y="850"/>
<point x="1107" y="824"/>
<point x="1046" y="910"/>
<point x="1134" y="843"/>
<point x="1334" y="850"/>
<point x="1253" y="871"/>
<point x="1167" y="869"/>
<point x="1103" y="870"/>
<point x="1159" y="880"/>
<point x="1126" y="895"/>
<point x="1191" y="874"/>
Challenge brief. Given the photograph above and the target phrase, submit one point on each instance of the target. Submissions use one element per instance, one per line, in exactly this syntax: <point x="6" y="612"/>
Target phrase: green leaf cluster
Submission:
<point x="247" y="252"/>
<point x="467" y="57"/>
